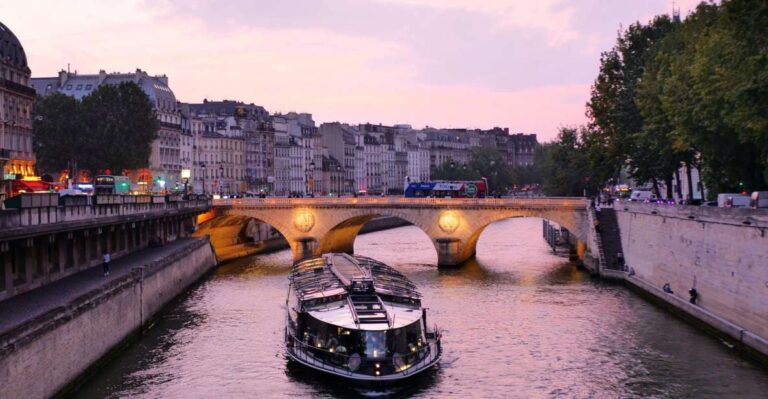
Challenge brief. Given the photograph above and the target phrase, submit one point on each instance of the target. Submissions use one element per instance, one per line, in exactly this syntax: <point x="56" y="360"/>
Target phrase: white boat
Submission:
<point x="358" y="319"/>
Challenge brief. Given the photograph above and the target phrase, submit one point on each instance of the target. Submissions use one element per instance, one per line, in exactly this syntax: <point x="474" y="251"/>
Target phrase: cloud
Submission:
<point x="525" y="65"/>
<point x="540" y="15"/>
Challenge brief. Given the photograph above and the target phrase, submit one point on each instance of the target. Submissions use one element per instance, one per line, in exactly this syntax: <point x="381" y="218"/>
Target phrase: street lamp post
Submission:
<point x="202" y="165"/>
<point x="185" y="174"/>
<point x="221" y="180"/>
<point x="311" y="179"/>
<point x="338" y="180"/>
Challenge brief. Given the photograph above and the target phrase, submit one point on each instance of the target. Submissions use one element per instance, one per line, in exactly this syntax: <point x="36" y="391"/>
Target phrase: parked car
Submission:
<point x="642" y="196"/>
<point x="759" y="199"/>
<point x="732" y="200"/>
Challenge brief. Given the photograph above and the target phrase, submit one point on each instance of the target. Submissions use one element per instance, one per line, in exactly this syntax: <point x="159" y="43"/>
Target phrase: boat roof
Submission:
<point x="355" y="292"/>
<point x="329" y="275"/>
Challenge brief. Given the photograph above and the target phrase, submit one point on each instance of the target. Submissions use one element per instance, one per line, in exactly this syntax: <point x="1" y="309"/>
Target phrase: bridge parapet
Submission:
<point x="540" y="203"/>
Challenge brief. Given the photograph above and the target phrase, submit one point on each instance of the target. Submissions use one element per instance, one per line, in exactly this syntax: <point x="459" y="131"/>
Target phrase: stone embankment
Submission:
<point x="51" y="336"/>
<point x="720" y="253"/>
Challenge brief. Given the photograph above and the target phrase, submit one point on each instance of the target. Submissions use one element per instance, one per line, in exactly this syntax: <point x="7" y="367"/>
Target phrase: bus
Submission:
<point x="108" y="184"/>
<point x="447" y="189"/>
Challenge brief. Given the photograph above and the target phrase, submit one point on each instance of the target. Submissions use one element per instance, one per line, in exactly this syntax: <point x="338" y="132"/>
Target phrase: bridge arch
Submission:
<point x="563" y="219"/>
<point x="341" y="237"/>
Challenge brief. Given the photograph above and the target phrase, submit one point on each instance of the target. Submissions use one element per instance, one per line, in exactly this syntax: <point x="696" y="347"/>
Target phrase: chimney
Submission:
<point x="63" y="75"/>
<point x="162" y="78"/>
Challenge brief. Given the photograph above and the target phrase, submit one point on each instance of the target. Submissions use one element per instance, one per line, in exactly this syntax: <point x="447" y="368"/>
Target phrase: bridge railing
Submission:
<point x="554" y="202"/>
<point x="51" y="212"/>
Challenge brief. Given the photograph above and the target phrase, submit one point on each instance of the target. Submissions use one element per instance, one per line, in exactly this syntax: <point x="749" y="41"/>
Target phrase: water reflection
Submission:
<point x="518" y="322"/>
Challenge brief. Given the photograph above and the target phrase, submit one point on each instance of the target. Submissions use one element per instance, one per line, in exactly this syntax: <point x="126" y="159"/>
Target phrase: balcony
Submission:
<point x="19" y="88"/>
<point x="170" y="125"/>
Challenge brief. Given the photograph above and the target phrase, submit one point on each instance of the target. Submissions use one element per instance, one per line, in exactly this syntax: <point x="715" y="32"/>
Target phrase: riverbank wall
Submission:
<point x="239" y="250"/>
<point x="721" y="253"/>
<point x="49" y="353"/>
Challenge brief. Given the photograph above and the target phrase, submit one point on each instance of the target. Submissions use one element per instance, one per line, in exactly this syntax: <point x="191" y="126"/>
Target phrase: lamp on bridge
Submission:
<point x="304" y="220"/>
<point x="448" y="221"/>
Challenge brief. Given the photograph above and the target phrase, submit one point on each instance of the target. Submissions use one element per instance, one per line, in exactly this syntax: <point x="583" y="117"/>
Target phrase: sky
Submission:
<point x="522" y="64"/>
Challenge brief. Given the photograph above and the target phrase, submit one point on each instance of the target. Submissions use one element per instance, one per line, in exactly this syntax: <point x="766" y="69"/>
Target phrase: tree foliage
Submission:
<point x="484" y="162"/>
<point x="617" y="123"/>
<point x="565" y="166"/>
<point x="716" y="92"/>
<point x="112" y="128"/>
<point x="672" y="93"/>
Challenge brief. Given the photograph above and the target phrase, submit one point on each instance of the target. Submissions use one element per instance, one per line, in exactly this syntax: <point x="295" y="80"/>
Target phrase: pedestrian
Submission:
<point x="105" y="265"/>
<point x="694" y="295"/>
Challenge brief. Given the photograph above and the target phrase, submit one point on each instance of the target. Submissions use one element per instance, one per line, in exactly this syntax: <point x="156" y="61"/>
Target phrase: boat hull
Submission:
<point x="307" y="360"/>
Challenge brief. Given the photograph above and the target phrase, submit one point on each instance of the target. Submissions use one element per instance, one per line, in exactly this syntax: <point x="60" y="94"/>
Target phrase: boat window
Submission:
<point x="375" y="344"/>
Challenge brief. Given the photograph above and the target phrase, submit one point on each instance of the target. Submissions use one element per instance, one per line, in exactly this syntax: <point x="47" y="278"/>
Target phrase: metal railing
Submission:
<point x="336" y="362"/>
<point x="88" y="210"/>
<point x="597" y="239"/>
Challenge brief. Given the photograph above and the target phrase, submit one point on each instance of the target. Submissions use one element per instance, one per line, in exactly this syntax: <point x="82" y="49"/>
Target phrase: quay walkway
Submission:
<point x="22" y="308"/>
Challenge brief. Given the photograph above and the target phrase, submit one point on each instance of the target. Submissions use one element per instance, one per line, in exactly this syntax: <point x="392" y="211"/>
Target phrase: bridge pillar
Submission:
<point x="304" y="248"/>
<point x="449" y="252"/>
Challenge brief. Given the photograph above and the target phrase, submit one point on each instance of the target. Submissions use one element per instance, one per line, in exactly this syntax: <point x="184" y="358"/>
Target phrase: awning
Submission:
<point x="30" y="186"/>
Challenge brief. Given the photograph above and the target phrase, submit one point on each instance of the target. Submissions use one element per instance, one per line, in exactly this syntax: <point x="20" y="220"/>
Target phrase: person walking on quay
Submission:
<point x="107" y="259"/>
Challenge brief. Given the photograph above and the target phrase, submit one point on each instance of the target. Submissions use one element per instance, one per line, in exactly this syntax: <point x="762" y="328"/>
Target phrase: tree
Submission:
<point x="617" y="132"/>
<point x="121" y="124"/>
<point x="715" y="93"/>
<point x="57" y="127"/>
<point x="484" y="162"/>
<point x="566" y="171"/>
<point x="112" y="128"/>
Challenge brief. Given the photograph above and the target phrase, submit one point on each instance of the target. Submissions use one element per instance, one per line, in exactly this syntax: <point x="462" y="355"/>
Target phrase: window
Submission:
<point x="88" y="87"/>
<point x="79" y="87"/>
<point x="69" y="87"/>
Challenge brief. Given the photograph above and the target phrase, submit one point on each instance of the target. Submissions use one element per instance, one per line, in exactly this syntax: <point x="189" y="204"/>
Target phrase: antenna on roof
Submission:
<point x="67" y="67"/>
<point x="675" y="12"/>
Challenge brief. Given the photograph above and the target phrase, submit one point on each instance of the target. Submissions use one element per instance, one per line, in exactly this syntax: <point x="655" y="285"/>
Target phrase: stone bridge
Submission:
<point x="318" y="225"/>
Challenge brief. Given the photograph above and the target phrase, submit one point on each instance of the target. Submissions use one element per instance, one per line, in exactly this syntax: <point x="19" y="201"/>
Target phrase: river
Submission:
<point x="518" y="322"/>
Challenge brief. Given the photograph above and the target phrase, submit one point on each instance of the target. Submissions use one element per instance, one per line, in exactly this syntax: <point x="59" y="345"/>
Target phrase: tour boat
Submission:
<point x="359" y="319"/>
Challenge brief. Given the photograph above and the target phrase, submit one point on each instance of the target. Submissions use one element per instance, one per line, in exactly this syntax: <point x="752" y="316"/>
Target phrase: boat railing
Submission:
<point x="331" y="360"/>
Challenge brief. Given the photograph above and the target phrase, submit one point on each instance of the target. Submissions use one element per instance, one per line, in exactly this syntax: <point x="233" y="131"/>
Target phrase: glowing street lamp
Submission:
<point x="449" y="221"/>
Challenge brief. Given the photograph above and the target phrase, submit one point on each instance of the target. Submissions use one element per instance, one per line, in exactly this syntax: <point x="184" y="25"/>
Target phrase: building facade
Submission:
<point x="16" y="99"/>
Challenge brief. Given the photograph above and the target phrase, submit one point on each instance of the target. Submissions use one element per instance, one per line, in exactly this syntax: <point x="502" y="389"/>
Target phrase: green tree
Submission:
<point x="112" y="128"/>
<point x="122" y="125"/>
<point x="58" y="132"/>
<point x="566" y="170"/>
<point x="617" y="134"/>
<point x="484" y="162"/>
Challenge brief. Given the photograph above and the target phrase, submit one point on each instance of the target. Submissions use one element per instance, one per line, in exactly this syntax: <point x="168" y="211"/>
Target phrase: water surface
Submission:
<point x="519" y="322"/>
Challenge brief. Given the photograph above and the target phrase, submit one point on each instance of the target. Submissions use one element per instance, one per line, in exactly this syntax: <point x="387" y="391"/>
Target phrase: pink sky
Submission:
<point x="526" y="65"/>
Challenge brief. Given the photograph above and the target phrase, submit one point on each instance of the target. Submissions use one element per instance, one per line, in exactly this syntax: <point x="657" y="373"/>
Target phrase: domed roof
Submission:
<point x="11" y="51"/>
